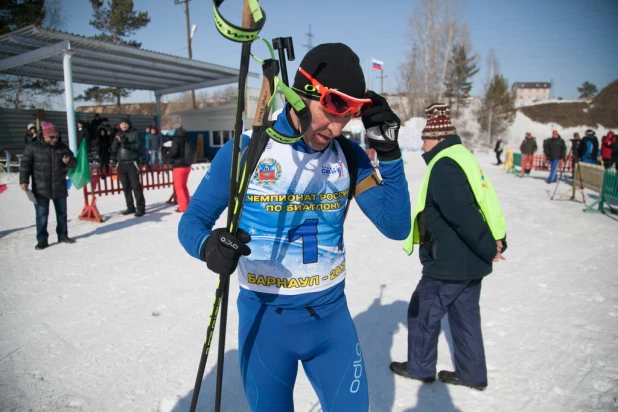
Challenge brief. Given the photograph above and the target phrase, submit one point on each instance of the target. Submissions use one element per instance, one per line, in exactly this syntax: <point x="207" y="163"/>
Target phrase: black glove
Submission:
<point x="382" y="127"/>
<point x="503" y="245"/>
<point x="222" y="250"/>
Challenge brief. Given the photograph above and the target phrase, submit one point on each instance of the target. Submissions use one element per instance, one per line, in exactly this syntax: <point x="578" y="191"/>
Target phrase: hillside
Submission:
<point x="602" y="110"/>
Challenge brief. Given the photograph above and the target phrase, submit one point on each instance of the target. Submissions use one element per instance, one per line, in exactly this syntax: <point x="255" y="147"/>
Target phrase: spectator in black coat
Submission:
<point x="104" y="144"/>
<point x="30" y="134"/>
<point x="499" y="148"/>
<point x="46" y="163"/>
<point x="83" y="134"/>
<point x="105" y="125"/>
<point x="575" y="142"/>
<point x="127" y="150"/>
<point x="95" y="123"/>
<point x="555" y="150"/>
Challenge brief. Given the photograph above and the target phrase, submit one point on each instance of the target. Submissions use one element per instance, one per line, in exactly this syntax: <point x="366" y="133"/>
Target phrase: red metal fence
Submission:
<point x="106" y="182"/>
<point x="540" y="162"/>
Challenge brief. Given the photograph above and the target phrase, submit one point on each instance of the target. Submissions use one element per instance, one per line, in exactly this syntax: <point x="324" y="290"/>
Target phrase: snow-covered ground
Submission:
<point x="116" y="321"/>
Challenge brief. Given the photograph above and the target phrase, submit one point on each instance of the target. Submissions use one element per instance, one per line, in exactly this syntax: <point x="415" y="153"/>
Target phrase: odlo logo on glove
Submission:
<point x="228" y="242"/>
<point x="222" y="250"/>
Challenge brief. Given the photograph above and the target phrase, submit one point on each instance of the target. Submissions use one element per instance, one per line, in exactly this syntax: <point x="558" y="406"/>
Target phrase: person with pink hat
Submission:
<point x="46" y="163"/>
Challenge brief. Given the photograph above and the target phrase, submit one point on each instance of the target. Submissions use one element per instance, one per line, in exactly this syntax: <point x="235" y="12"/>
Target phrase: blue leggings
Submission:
<point x="272" y="341"/>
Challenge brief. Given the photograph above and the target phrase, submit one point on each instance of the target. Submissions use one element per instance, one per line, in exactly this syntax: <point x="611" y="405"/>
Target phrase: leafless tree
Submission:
<point x="217" y="98"/>
<point x="435" y="26"/>
<point x="493" y="68"/>
<point x="54" y="16"/>
<point x="451" y="31"/>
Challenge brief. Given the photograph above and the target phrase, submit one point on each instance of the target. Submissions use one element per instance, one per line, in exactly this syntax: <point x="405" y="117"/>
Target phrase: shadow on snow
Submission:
<point x="376" y="328"/>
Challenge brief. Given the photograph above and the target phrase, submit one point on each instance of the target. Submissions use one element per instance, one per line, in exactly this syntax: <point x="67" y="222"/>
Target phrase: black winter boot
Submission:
<point x="129" y="211"/>
<point x="400" y="368"/>
<point x="41" y="245"/>
<point x="451" y="378"/>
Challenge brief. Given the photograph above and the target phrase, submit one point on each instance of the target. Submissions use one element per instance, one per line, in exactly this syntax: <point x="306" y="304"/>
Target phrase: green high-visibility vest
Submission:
<point x="482" y="189"/>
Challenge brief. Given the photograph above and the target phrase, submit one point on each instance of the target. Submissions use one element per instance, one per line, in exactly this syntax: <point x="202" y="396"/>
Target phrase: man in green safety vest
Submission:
<point x="461" y="231"/>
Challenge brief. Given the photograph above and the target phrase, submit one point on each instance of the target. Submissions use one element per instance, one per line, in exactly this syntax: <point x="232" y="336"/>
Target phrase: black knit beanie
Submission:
<point x="334" y="65"/>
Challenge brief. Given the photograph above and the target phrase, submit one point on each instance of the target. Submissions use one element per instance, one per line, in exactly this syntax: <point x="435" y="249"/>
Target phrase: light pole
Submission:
<point x="190" y="34"/>
<point x="381" y="77"/>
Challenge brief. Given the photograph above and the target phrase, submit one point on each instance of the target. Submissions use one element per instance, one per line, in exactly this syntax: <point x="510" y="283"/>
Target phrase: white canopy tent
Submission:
<point x="47" y="54"/>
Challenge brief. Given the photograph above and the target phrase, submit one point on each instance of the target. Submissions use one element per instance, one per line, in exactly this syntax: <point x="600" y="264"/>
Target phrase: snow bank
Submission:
<point x="523" y="124"/>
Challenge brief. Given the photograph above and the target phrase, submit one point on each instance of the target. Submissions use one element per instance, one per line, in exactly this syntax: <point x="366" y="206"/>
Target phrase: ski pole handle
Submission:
<point x="283" y="44"/>
<point x="270" y="68"/>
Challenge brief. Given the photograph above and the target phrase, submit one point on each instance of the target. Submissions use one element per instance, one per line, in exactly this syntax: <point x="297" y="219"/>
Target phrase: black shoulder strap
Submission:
<point x="350" y="158"/>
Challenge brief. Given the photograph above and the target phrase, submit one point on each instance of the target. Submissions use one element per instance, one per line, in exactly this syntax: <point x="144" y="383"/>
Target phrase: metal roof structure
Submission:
<point x="35" y="52"/>
<point x="48" y="54"/>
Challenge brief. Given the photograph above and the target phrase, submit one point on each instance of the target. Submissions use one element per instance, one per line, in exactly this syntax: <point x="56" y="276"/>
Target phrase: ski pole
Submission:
<point x="247" y="22"/>
<point x="251" y="15"/>
<point x="282" y="45"/>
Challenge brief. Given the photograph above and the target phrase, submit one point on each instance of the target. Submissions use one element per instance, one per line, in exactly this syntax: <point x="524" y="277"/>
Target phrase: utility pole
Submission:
<point x="186" y="3"/>
<point x="309" y="45"/>
<point x="381" y="77"/>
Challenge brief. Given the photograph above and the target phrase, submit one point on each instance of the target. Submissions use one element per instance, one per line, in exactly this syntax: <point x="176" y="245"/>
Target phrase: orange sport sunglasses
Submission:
<point x="337" y="103"/>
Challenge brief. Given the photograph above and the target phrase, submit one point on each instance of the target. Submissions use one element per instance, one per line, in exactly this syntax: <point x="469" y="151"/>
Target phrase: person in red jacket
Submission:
<point x="606" y="149"/>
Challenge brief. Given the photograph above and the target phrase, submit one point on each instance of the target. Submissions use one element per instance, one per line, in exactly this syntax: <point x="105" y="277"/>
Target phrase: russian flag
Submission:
<point x="376" y="64"/>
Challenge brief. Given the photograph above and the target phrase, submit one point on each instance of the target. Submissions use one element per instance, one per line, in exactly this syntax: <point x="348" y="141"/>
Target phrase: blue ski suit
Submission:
<point x="291" y="304"/>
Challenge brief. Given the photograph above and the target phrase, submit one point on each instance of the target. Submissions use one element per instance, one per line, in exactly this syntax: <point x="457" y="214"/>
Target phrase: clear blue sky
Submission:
<point x="567" y="41"/>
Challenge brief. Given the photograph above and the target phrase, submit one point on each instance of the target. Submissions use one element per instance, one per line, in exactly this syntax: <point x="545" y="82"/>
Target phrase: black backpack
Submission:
<point x="189" y="156"/>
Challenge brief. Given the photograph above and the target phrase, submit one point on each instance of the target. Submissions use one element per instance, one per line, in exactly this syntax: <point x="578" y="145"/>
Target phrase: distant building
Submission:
<point x="531" y="90"/>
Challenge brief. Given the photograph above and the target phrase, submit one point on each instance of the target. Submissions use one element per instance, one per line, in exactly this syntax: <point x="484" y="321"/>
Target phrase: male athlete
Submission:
<point x="291" y="304"/>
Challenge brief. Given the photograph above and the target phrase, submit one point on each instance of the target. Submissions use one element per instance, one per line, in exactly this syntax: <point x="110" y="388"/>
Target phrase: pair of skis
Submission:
<point x="253" y="18"/>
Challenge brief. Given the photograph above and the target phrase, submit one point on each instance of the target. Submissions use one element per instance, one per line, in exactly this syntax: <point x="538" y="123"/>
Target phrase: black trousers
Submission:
<point x="128" y="173"/>
<point x="104" y="156"/>
<point x="607" y="163"/>
<point x="430" y="302"/>
<point x="498" y="154"/>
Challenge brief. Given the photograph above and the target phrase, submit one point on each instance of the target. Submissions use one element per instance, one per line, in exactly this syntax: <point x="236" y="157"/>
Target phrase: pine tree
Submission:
<point x="498" y="109"/>
<point x="117" y="20"/>
<point x="15" y="14"/>
<point x="21" y="92"/>
<point x="587" y="90"/>
<point x="461" y="69"/>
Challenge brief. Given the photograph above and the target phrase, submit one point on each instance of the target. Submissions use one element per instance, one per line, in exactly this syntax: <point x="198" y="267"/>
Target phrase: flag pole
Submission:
<point x="371" y="75"/>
